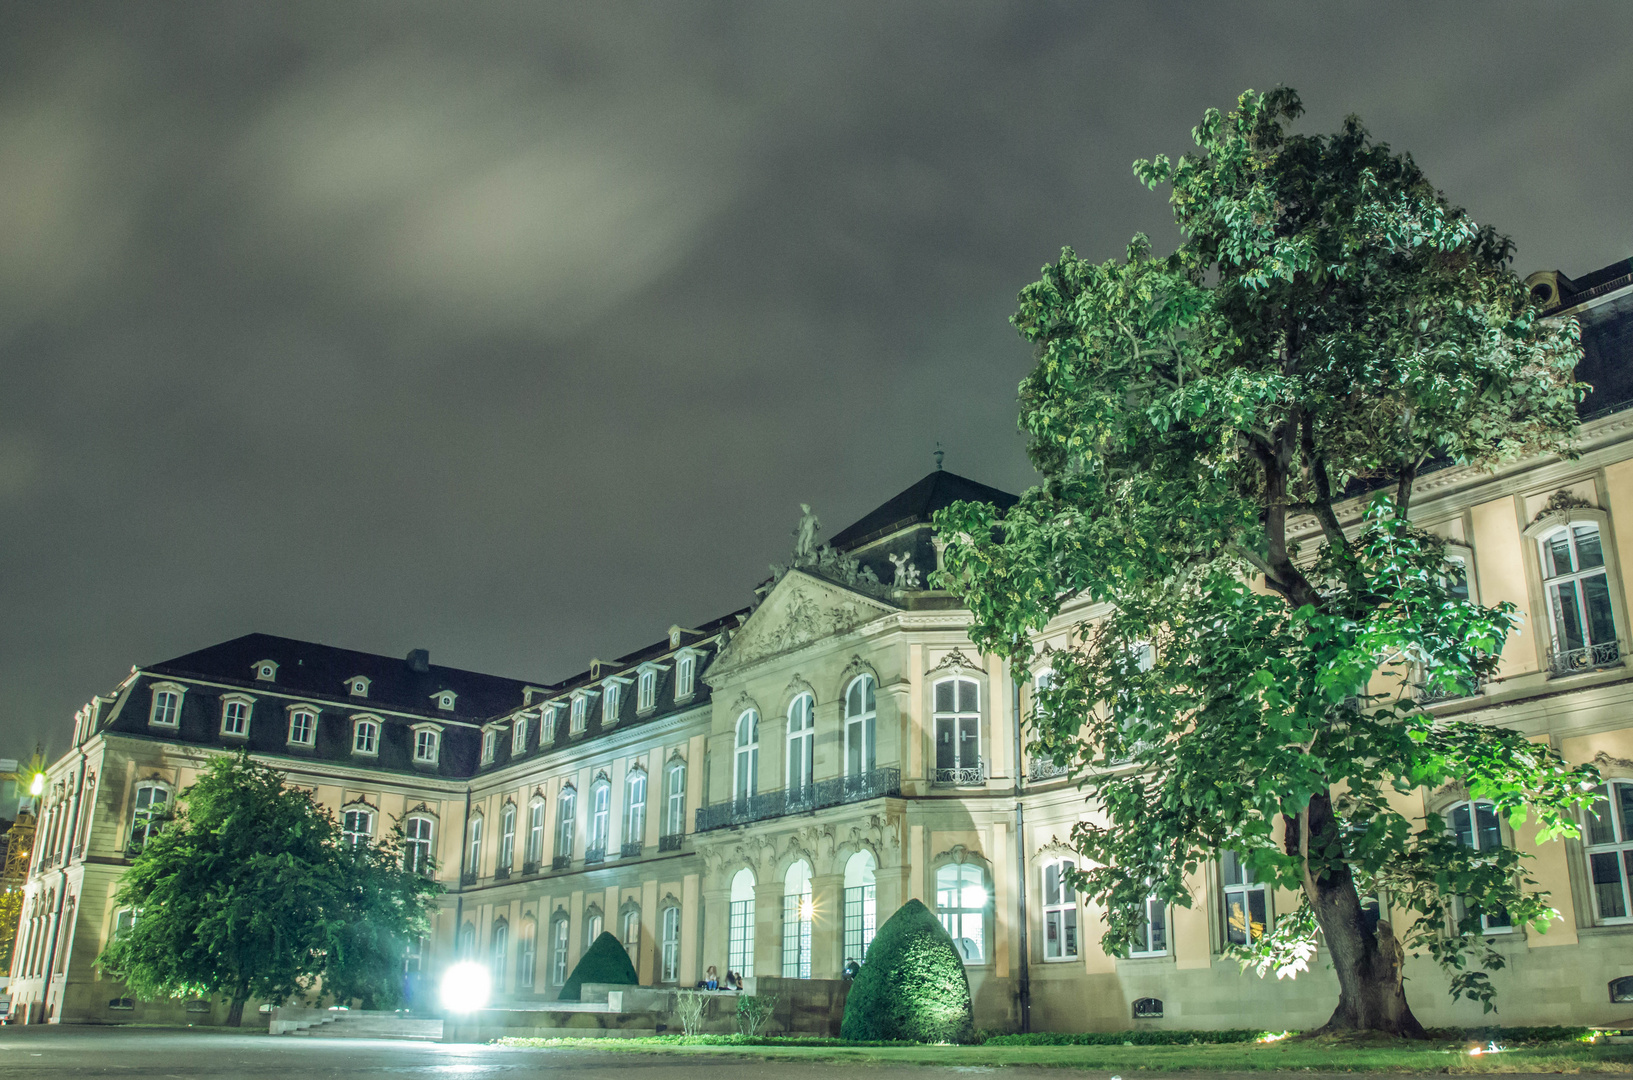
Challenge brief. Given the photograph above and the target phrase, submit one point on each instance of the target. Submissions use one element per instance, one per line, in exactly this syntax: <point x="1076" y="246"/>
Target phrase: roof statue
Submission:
<point x="805" y="535"/>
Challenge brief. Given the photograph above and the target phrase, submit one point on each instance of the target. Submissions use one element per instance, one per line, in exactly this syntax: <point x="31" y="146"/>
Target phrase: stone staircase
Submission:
<point x="353" y="1024"/>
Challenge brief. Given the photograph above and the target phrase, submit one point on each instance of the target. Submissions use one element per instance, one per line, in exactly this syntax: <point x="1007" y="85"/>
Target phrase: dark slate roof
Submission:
<point x="1607" y="357"/>
<point x="915" y="506"/>
<point x="1602" y="280"/>
<point x="306" y="667"/>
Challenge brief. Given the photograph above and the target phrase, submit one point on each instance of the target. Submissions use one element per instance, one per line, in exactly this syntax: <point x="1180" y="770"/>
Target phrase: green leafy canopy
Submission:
<point x="1329" y="324"/>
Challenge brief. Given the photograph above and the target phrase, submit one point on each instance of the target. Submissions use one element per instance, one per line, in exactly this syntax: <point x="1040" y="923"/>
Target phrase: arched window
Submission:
<point x="1609" y="842"/>
<point x="1247" y="901"/>
<point x="861" y="906"/>
<point x="961" y="903"/>
<point x="507" y="837"/>
<point x="1573" y="570"/>
<point x="535" y="835"/>
<point x="365" y="737"/>
<point x="357" y="827"/>
<point x="558" y="951"/>
<point x="527" y="953"/>
<point x="630" y="917"/>
<point x="685" y="670"/>
<point x="958" y="732"/>
<point x="566" y="823"/>
<point x="500" y="952"/>
<point x="860" y="713"/>
<point x="1059" y="912"/>
<point x="646" y="691"/>
<point x="634" y="812"/>
<point x="746" y="780"/>
<point x="303" y="727"/>
<point x="467" y="941"/>
<point x="592" y="925"/>
<point x="740" y="930"/>
<point x="417" y="845"/>
<point x="796" y="921"/>
<point x="473" y="867"/>
<point x="1475" y="825"/>
<point x="801" y="746"/>
<point x="152" y="802"/>
<point x="600" y="816"/>
<point x="235" y="713"/>
<point x="670" y="930"/>
<point x="674" y="813"/>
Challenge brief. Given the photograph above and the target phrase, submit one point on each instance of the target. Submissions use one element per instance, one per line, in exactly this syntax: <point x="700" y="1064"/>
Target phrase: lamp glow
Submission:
<point x="38" y="785"/>
<point x="465" y="987"/>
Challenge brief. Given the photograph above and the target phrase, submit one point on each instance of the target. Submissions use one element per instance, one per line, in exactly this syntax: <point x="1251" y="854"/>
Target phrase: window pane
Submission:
<point x="1463" y="825"/>
<point x="1069" y="938"/>
<point x="968" y="696"/>
<point x="1051" y="883"/>
<point x="944" y="697"/>
<point x="1607" y="885"/>
<point x="1156" y="915"/>
<point x="1567" y="616"/>
<point x="1236" y="917"/>
<point x="1588" y="552"/>
<point x="1624" y="808"/>
<point x="1596" y="598"/>
<point x="1256" y="908"/>
<point x="1557" y="555"/>
<point x="1491" y="836"/>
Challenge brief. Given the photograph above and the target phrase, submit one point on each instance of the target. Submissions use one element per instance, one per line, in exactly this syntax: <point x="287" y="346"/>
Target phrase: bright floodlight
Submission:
<point x="38" y="785"/>
<point x="465" y="987"/>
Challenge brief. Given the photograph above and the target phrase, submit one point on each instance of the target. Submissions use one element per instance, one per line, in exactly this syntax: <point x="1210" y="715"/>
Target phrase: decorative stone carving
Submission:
<point x="1604" y="760"/>
<point x="839" y="566"/>
<point x="1056" y="848"/>
<point x="796" y="618"/>
<point x="955" y="660"/>
<point x="1561" y="502"/>
<point x="907" y="575"/>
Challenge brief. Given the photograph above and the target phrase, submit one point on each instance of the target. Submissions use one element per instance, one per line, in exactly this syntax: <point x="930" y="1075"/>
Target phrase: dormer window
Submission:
<point x="427" y="743"/>
<point x="235" y="711"/>
<point x="518" y="735"/>
<point x="165" y="711"/>
<point x="444" y="699"/>
<point x="646" y="691"/>
<point x="685" y="674"/>
<point x="612" y="699"/>
<point x="303" y="725"/>
<point x="490" y="745"/>
<point x="366" y="736"/>
<point x="549" y="714"/>
<point x="577" y="713"/>
<point x="358" y="686"/>
<point x="266" y="670"/>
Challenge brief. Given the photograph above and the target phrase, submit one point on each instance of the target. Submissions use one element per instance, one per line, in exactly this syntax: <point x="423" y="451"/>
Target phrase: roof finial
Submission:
<point x="938" y="455"/>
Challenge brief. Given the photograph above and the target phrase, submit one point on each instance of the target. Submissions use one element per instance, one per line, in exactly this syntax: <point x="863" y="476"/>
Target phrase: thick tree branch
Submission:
<point x="1322" y="503"/>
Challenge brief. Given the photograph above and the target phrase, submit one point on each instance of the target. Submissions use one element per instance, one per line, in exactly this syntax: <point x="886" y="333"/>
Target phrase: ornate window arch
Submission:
<point x="800" y="763"/>
<point x="594" y="924"/>
<point x="1581" y="586"/>
<point x="499" y="950"/>
<point x="746" y="756"/>
<point x="740" y="926"/>
<point x="861" y="722"/>
<point x="669" y="942"/>
<point x="595" y="848"/>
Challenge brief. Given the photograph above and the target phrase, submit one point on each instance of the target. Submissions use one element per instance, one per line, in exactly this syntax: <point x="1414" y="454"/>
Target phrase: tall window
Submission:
<point x="501" y="951"/>
<point x="1475" y="826"/>
<point x="958" y="731"/>
<point x="632" y="934"/>
<point x="166" y="708"/>
<point x="575" y="715"/>
<point x="861" y="906"/>
<point x="490" y="744"/>
<point x="674" y="814"/>
<point x="746" y="780"/>
<point x="1573" y="566"/>
<point x="547" y="733"/>
<point x="527" y="953"/>
<point x="613" y="697"/>
<point x="646" y="691"/>
<point x="1247" y="901"/>
<point x="961" y="902"/>
<point x="417" y="845"/>
<point x="507" y="835"/>
<point x="1151" y="939"/>
<point x="740" y="928"/>
<point x="235" y="717"/>
<point x="151" y="803"/>
<point x="1609" y="841"/>
<point x="535" y="832"/>
<point x="600" y="816"/>
<point x="860" y="713"/>
<point x="801" y="743"/>
<point x="518" y="735"/>
<point x="356" y="827"/>
<point x="796" y="922"/>
<point x="592" y="926"/>
<point x="635" y="808"/>
<point x="426" y="743"/>
<point x="474" y="866"/>
<point x="566" y="821"/>
<point x="1059" y="912"/>
<point x="670" y="964"/>
<point x="303" y="726"/>
<point x="685" y="673"/>
<point x="558" y="951"/>
<point x="467" y="942"/>
<point x="366" y="737"/>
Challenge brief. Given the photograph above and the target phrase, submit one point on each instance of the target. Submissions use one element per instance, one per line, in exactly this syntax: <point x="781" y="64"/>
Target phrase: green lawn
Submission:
<point x="1292" y="1055"/>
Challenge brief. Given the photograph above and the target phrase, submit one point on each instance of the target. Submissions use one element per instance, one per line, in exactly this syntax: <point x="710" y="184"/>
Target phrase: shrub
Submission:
<point x="754" y="1012"/>
<point x="689" y="1004"/>
<point x="605" y="961"/>
<point x="913" y="985"/>
<point x="1125" y="1038"/>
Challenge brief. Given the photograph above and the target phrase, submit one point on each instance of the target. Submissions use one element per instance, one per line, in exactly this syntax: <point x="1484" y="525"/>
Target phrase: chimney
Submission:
<point x="419" y="660"/>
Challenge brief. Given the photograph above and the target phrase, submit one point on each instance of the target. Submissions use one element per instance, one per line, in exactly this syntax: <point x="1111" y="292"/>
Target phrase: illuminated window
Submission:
<point x="861" y="906"/>
<point x="635" y="807"/>
<point x="1247" y="901"/>
<point x="674" y="819"/>
<point x="1609" y="842"/>
<point x="356" y="827"/>
<point x="417" y="845"/>
<point x="796" y="922"/>
<point x="958" y="732"/>
<point x="1584" y="625"/>
<point x="166" y="710"/>
<point x="860" y="714"/>
<point x="1475" y="825"/>
<point x="566" y="815"/>
<point x="473" y="866"/>
<point x="1059" y="912"/>
<point x="746" y="779"/>
<point x="801" y="744"/>
<point x="961" y="903"/>
<point x="535" y="832"/>
<point x="500" y="946"/>
<point x="366" y="737"/>
<point x="685" y="675"/>
<point x="507" y="836"/>
<point x="526" y="953"/>
<point x="558" y="951"/>
<point x="740" y="926"/>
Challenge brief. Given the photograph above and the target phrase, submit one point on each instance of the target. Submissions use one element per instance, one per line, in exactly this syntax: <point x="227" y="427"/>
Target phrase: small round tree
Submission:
<point x="605" y="961"/>
<point x="913" y="985"/>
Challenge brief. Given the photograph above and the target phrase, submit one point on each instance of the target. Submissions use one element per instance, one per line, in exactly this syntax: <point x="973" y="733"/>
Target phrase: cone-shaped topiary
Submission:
<point x="912" y="985"/>
<point x="605" y="961"/>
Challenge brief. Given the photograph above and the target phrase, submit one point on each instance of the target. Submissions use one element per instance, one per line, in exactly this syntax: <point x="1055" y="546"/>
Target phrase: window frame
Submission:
<point x="1246" y="888"/>
<point x="419" y="852"/>
<point x="473" y="835"/>
<point x="1061" y="912"/>
<point x="560" y="942"/>
<point x="527" y="952"/>
<point x="686" y="665"/>
<point x="1618" y="848"/>
<point x="669" y="944"/>
<point x="675" y="800"/>
<point x="600" y="820"/>
<point x="354" y="837"/>
<point x="490" y="745"/>
<point x="799" y="762"/>
<point x="740" y="918"/>
<point x="507" y="835"/>
<point x="954" y="918"/>
<point x="566" y="820"/>
<point x="240" y="701"/>
<point x="796" y="921"/>
<point x="536" y="815"/>
<point x="518" y="734"/>
<point x="861" y="726"/>
<point x="499" y="951"/>
<point x="171" y="721"/>
<point x="310" y="712"/>
<point x="646" y="690"/>
<point x="359" y="723"/>
<point x="960" y="770"/>
<point x="1557" y="660"/>
<point x="141" y="817"/>
<point x="635" y="806"/>
<point x="745" y="783"/>
<point x="424" y="733"/>
<point x="1448" y="814"/>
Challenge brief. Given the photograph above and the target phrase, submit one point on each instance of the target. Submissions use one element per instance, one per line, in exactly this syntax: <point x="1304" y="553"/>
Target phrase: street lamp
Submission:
<point x="37" y="785"/>
<point x="465" y="987"/>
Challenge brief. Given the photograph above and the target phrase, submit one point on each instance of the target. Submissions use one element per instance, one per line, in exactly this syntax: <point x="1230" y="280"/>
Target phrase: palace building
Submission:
<point x="758" y="793"/>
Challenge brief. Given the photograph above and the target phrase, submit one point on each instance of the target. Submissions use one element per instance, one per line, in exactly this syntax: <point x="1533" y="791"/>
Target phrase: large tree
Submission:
<point x="1329" y="325"/>
<point x="249" y="892"/>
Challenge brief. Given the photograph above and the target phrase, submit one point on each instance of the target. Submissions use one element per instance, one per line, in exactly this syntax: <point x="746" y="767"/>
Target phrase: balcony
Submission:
<point x="975" y="776"/>
<point x="631" y="850"/>
<point x="1040" y="769"/>
<point x="1434" y="695"/>
<point x="502" y="874"/>
<point x="671" y="842"/>
<point x="530" y="868"/>
<point x="561" y="862"/>
<point x="467" y="878"/>
<point x="817" y="796"/>
<point x="1573" y="661"/>
<point x="594" y="855"/>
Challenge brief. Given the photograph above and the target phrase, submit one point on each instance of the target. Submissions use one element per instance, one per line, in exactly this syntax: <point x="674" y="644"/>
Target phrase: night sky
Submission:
<point x="518" y="332"/>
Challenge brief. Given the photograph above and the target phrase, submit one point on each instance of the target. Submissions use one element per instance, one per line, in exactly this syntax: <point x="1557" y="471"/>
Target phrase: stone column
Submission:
<point x="716" y="931"/>
<point x="827" y="925"/>
<point x="767" y="929"/>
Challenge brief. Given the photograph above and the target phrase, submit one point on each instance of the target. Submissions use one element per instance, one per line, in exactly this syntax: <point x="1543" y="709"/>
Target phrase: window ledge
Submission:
<point x="1147" y="958"/>
<point x="1615" y="929"/>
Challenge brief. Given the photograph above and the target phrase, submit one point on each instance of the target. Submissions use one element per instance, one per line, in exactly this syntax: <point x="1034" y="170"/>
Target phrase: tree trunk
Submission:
<point x="235" y="1013"/>
<point x="1368" y="962"/>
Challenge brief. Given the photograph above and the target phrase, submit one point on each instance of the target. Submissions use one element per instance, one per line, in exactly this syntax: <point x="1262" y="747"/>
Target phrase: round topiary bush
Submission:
<point x="913" y="984"/>
<point x="605" y="961"/>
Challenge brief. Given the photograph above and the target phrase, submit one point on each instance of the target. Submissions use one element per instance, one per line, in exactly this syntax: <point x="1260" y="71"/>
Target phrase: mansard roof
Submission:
<point x="306" y="667"/>
<point x="915" y="506"/>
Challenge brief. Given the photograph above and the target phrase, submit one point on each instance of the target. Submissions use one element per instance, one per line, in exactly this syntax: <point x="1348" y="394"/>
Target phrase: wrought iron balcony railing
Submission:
<point x="467" y="878"/>
<point x="561" y="862"/>
<point x="1571" y="661"/>
<point x="817" y="796"/>
<point x="671" y="842"/>
<point x="631" y="850"/>
<point x="1431" y="695"/>
<point x="974" y="776"/>
<point x="1042" y="768"/>
<point x="502" y="874"/>
<point x="530" y="868"/>
<point x="594" y="855"/>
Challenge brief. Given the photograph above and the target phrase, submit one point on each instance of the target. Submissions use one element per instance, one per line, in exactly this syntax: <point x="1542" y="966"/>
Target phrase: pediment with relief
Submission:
<point x="800" y="609"/>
